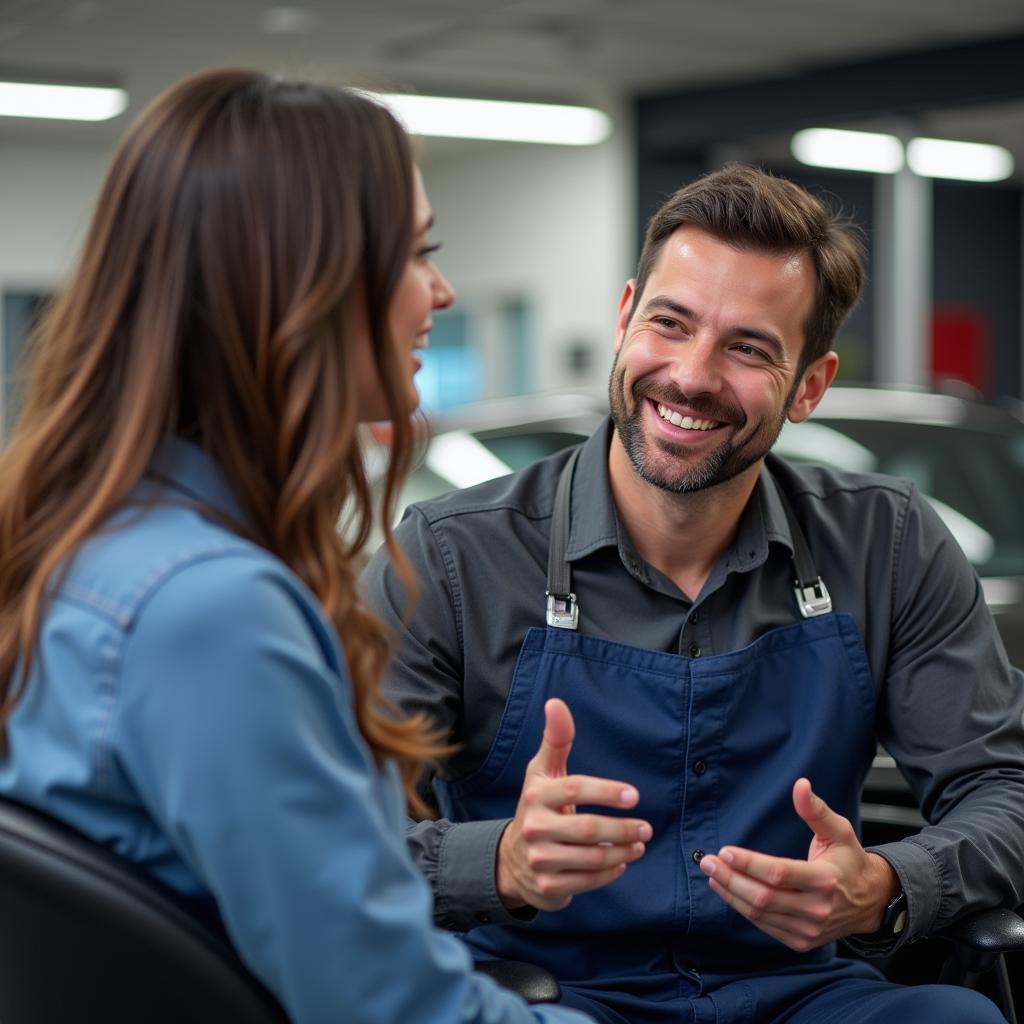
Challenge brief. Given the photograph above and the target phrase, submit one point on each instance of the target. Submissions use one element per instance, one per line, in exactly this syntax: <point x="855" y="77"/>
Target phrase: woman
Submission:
<point x="188" y="674"/>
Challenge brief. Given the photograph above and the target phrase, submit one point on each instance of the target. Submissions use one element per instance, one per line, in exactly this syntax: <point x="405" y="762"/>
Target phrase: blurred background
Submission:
<point x="539" y="237"/>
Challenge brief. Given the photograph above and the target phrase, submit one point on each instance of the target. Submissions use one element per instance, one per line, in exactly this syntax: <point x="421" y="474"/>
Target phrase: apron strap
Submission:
<point x="563" y="611"/>
<point x="812" y="596"/>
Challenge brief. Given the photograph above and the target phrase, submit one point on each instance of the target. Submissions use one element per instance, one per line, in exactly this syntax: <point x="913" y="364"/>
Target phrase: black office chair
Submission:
<point x="84" y="936"/>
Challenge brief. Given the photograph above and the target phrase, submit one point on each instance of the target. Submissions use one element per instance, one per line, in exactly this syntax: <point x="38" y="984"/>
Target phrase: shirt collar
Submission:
<point x="595" y="521"/>
<point x="181" y="466"/>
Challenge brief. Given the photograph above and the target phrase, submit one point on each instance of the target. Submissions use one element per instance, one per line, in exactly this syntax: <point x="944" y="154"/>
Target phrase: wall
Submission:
<point x="46" y="197"/>
<point x="552" y="225"/>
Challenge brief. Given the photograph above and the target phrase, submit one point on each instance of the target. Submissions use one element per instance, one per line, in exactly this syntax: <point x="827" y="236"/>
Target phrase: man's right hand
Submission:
<point x="549" y="853"/>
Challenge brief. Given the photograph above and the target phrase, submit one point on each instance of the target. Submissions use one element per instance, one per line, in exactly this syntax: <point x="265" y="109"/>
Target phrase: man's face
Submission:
<point x="705" y="372"/>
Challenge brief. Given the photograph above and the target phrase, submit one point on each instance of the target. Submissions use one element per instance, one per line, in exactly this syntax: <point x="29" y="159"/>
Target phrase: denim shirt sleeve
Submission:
<point x="235" y="724"/>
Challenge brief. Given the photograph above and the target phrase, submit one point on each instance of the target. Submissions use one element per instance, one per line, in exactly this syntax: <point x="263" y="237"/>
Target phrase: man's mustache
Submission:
<point x="703" y="406"/>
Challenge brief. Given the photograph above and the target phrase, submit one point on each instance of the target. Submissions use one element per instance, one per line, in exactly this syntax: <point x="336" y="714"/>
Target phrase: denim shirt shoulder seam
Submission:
<point x="124" y="619"/>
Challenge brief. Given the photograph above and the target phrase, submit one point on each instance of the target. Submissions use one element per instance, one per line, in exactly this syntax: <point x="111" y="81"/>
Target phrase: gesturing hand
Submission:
<point x="549" y="853"/>
<point x="840" y="889"/>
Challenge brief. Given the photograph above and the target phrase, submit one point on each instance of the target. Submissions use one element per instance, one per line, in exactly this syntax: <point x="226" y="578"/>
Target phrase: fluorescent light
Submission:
<point x="61" y="102"/>
<point x="848" y="151"/>
<point x="965" y="161"/>
<point x="501" y="120"/>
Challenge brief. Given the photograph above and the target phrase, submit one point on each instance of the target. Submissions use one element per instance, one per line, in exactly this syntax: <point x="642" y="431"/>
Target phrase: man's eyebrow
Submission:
<point x="758" y="334"/>
<point x="664" y="302"/>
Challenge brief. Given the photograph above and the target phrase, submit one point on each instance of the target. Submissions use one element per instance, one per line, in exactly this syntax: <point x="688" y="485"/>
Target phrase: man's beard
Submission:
<point x="675" y="471"/>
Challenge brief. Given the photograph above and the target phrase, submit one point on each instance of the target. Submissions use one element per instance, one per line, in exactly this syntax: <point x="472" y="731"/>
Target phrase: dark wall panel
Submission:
<point x="977" y="266"/>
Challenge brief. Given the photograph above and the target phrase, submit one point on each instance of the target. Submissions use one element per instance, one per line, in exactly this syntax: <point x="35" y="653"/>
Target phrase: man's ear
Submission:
<point x="813" y="385"/>
<point x="625" y="305"/>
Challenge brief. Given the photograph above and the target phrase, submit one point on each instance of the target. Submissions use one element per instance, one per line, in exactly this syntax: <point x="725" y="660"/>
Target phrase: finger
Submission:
<point x="552" y="757"/>
<point x="763" y="898"/>
<point x="579" y="789"/>
<point x="557" y="858"/>
<point x="797" y="932"/>
<point x="825" y="823"/>
<point x="776" y="872"/>
<point x="544" y="825"/>
<point x="569" y="883"/>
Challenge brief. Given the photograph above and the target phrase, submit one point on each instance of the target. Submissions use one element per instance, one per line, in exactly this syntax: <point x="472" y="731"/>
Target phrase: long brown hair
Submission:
<point x="242" y="219"/>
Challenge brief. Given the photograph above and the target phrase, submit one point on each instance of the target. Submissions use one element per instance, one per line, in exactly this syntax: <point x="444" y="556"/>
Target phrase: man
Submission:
<point x="682" y="845"/>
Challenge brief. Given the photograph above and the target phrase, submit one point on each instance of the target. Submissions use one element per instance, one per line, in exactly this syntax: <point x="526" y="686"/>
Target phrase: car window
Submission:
<point x="519" y="450"/>
<point x="974" y="478"/>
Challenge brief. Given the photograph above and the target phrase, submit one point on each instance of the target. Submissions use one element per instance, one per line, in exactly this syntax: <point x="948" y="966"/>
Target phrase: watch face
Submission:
<point x="895" y="919"/>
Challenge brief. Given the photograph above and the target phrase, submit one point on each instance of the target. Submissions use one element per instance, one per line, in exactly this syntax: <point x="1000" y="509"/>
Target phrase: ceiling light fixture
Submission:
<point x="499" y="120"/>
<point x="963" y="161"/>
<point x="848" y="151"/>
<point x="884" y="154"/>
<point x="61" y="102"/>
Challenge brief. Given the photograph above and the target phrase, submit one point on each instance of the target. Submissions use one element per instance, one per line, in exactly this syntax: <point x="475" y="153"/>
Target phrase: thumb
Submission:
<point x="826" y="824"/>
<point x="552" y="757"/>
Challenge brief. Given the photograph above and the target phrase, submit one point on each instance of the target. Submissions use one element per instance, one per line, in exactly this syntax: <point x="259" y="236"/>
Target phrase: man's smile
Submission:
<point x="686" y="422"/>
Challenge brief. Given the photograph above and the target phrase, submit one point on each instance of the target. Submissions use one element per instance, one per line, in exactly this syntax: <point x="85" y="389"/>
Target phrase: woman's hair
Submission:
<point x="242" y="221"/>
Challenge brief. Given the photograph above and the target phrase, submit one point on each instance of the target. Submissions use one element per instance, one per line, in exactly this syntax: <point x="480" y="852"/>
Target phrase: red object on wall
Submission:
<point x="960" y="345"/>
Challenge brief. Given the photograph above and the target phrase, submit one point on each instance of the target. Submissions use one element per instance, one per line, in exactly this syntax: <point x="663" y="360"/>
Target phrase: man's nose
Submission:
<point x="696" y="366"/>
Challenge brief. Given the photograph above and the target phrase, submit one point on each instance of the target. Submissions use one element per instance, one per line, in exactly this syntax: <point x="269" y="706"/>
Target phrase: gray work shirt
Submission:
<point x="950" y="709"/>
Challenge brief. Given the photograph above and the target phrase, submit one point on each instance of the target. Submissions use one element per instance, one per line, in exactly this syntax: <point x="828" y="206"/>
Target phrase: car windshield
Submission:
<point x="973" y="478"/>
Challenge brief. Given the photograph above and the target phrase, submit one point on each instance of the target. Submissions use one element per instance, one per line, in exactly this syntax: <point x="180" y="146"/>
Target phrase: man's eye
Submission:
<point x="750" y="351"/>
<point x="666" y="322"/>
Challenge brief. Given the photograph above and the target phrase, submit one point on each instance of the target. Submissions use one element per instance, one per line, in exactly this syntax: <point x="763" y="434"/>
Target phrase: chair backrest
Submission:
<point x="85" y="936"/>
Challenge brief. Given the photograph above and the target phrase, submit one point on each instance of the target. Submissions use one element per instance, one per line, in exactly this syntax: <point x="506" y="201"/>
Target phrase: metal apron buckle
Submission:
<point x="813" y="599"/>
<point x="563" y="611"/>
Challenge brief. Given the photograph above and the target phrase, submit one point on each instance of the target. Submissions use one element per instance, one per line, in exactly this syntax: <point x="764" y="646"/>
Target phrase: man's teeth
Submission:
<point x="686" y="422"/>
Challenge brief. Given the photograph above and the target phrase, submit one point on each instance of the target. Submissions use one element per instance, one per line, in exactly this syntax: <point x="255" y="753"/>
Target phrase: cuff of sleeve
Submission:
<point x="467" y="890"/>
<point x="919" y="879"/>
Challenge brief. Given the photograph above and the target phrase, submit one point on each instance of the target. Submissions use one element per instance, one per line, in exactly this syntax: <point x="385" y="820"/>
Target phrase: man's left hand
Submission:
<point x="840" y="889"/>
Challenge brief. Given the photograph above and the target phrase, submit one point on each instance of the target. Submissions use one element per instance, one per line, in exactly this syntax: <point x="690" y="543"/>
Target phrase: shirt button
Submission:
<point x="483" y="918"/>
<point x="694" y="617"/>
<point x="694" y="650"/>
<point x="699" y="768"/>
<point x="698" y="856"/>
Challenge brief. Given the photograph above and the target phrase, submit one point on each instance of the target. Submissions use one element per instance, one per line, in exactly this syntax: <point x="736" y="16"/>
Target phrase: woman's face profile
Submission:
<point x="421" y="289"/>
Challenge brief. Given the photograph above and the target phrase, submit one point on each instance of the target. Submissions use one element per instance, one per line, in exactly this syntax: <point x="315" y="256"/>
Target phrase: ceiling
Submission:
<point x="593" y="51"/>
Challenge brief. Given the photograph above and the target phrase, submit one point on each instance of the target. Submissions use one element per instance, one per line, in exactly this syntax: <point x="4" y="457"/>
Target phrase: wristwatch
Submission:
<point x="894" y="920"/>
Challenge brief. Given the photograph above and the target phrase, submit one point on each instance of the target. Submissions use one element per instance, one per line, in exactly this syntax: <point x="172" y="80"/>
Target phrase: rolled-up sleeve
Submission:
<point x="236" y="726"/>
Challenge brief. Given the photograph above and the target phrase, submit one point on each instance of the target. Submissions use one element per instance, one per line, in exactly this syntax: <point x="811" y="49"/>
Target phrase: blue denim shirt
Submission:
<point x="189" y="707"/>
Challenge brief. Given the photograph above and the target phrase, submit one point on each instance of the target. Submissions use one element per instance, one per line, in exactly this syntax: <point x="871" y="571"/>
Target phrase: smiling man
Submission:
<point x="667" y="657"/>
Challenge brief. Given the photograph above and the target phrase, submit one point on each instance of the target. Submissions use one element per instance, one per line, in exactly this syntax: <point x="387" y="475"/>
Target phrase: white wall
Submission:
<point x="46" y="197"/>
<point x="550" y="224"/>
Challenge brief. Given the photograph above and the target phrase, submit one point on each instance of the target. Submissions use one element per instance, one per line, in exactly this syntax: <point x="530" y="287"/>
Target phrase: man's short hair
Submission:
<point x="750" y="209"/>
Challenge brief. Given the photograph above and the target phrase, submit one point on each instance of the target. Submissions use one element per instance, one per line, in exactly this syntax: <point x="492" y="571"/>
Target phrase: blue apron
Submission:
<point x="713" y="744"/>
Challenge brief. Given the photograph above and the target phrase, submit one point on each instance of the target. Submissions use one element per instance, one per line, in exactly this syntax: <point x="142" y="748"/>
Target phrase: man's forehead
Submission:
<point x="692" y="243"/>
